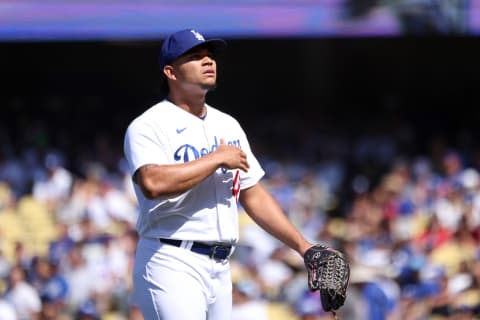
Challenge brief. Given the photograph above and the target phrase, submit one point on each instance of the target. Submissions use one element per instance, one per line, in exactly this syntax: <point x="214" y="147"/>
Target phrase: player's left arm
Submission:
<point x="267" y="213"/>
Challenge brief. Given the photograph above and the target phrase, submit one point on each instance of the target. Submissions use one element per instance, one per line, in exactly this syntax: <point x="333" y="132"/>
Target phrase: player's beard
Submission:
<point x="210" y="86"/>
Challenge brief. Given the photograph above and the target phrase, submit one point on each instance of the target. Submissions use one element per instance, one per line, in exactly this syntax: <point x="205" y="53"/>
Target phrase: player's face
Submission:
<point x="197" y="67"/>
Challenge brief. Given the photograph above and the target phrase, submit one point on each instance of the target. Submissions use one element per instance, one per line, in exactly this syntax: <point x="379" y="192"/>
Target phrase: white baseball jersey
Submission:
<point x="167" y="134"/>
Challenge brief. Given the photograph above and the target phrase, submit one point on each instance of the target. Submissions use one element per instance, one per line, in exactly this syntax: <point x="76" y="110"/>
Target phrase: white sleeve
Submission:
<point x="255" y="172"/>
<point x="143" y="145"/>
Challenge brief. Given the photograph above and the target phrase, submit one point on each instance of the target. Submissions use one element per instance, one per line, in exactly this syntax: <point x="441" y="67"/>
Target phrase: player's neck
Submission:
<point x="192" y="104"/>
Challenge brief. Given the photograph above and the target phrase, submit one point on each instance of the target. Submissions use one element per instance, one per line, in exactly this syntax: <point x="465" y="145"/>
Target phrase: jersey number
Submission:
<point x="236" y="185"/>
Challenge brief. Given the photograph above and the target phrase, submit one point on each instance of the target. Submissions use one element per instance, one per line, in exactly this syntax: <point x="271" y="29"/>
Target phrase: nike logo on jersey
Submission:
<point x="180" y="130"/>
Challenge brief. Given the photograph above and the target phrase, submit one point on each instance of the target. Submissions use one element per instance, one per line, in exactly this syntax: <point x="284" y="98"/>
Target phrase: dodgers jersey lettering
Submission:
<point x="167" y="134"/>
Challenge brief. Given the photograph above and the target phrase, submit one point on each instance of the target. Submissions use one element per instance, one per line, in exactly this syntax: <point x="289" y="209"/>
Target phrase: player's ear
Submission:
<point x="168" y="72"/>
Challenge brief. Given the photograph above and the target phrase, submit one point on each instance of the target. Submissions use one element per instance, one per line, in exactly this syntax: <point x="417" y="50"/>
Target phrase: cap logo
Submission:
<point x="197" y="35"/>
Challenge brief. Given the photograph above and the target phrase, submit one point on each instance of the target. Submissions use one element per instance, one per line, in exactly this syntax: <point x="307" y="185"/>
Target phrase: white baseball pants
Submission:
<point x="172" y="283"/>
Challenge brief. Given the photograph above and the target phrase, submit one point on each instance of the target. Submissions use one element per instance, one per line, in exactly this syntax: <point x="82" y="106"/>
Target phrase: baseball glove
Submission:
<point x="329" y="272"/>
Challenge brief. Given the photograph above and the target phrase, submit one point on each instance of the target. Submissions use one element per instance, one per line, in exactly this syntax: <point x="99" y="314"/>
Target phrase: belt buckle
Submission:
<point x="213" y="251"/>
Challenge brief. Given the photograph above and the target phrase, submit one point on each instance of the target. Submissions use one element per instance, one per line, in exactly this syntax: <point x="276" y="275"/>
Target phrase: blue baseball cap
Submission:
<point x="182" y="41"/>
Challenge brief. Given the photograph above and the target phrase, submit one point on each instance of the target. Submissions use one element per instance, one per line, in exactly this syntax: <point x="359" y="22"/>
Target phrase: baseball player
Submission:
<point x="191" y="164"/>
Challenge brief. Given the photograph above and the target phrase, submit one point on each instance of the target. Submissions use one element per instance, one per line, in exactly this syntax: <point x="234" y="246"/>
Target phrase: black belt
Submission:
<point x="214" y="251"/>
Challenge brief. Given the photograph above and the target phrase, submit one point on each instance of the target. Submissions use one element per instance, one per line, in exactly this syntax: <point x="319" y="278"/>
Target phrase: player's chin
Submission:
<point x="209" y="86"/>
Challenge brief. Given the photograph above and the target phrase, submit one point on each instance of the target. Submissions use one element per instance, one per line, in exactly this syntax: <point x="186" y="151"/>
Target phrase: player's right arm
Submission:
<point x="170" y="179"/>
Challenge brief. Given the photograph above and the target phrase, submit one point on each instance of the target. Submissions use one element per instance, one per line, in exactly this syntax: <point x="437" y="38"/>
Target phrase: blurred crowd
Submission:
<point x="409" y="223"/>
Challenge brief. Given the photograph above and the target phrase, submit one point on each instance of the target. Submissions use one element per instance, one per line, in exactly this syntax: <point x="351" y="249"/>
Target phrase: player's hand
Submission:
<point x="231" y="157"/>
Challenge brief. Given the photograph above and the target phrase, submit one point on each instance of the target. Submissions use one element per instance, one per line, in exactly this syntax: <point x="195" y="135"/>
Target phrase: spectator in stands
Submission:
<point x="77" y="276"/>
<point x="7" y="311"/>
<point x="247" y="302"/>
<point x="51" y="286"/>
<point x="54" y="189"/>
<point x="22" y="295"/>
